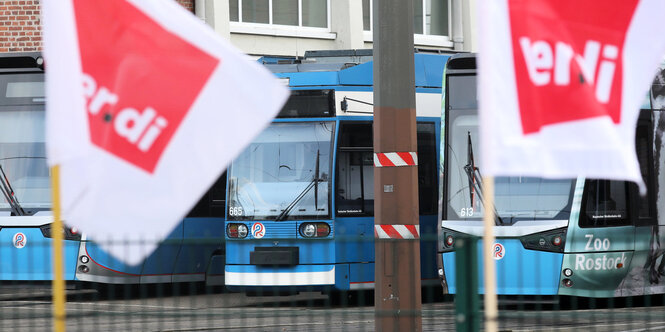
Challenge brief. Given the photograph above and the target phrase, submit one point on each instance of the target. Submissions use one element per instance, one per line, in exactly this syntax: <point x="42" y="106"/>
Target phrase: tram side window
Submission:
<point x="355" y="169"/>
<point x="213" y="202"/>
<point x="605" y="204"/>
<point x="427" y="171"/>
<point x="355" y="182"/>
<point x="644" y="148"/>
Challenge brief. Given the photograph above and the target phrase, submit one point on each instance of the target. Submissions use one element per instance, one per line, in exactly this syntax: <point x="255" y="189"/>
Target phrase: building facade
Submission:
<point x="281" y="27"/>
<point x="291" y="27"/>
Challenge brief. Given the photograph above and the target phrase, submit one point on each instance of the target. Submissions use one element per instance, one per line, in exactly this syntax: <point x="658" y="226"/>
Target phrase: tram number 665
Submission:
<point x="596" y="244"/>
<point x="235" y="211"/>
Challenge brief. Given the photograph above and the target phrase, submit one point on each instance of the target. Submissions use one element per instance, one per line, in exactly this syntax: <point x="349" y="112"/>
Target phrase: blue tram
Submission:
<point x="301" y="196"/>
<point x="25" y="203"/>
<point x="574" y="237"/>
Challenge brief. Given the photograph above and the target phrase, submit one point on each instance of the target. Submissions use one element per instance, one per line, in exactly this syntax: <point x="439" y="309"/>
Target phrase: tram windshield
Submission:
<point x="516" y="198"/>
<point x="22" y="148"/>
<point x="284" y="174"/>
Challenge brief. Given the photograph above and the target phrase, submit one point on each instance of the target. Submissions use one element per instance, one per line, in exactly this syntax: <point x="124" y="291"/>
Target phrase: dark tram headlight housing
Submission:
<point x="237" y="231"/>
<point x="552" y="240"/>
<point x="67" y="233"/>
<point x="314" y="229"/>
<point x="447" y="239"/>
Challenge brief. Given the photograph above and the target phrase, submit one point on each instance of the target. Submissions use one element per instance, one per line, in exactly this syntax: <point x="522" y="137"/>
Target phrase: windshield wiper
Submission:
<point x="475" y="179"/>
<point x="316" y="183"/>
<point x="312" y="184"/>
<point x="8" y="192"/>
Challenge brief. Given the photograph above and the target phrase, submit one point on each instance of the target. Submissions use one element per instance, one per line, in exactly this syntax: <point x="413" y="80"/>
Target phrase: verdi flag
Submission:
<point x="561" y="83"/>
<point x="146" y="106"/>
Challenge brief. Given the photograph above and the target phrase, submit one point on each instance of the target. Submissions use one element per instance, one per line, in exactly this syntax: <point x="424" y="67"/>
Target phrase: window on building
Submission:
<point x="431" y="17"/>
<point x="296" y="13"/>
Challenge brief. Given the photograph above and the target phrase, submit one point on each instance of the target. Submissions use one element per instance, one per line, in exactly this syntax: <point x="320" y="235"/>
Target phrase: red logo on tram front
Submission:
<point x="498" y="251"/>
<point x="140" y="80"/>
<point x="258" y="230"/>
<point x="568" y="59"/>
<point x="19" y="240"/>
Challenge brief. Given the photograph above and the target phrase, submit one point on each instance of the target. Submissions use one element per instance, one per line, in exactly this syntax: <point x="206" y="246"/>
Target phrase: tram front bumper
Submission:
<point x="519" y="271"/>
<point x="26" y="255"/>
<point x="259" y="276"/>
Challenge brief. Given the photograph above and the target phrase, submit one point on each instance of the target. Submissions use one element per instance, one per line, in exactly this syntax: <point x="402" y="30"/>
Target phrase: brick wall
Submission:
<point x="189" y="4"/>
<point x="20" y="29"/>
<point x="20" y="24"/>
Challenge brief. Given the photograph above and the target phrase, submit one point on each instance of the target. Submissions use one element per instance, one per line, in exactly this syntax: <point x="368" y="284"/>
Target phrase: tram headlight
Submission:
<point x="237" y="231"/>
<point x="314" y="229"/>
<point x="84" y="259"/>
<point x="322" y="229"/>
<point x="242" y="231"/>
<point x="567" y="272"/>
<point x="557" y="240"/>
<point x="552" y="240"/>
<point x="308" y="230"/>
<point x="67" y="233"/>
<point x="447" y="239"/>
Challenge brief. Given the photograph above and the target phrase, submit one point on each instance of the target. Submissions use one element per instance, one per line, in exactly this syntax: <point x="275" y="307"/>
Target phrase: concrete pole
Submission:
<point x="397" y="296"/>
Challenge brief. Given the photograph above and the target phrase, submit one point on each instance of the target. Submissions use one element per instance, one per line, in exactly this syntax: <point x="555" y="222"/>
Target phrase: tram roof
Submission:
<point x="350" y="68"/>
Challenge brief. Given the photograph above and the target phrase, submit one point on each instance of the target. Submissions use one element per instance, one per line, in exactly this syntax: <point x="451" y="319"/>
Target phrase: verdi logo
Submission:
<point x="136" y="98"/>
<point x="140" y="128"/>
<point x="565" y="69"/>
<point x="546" y="64"/>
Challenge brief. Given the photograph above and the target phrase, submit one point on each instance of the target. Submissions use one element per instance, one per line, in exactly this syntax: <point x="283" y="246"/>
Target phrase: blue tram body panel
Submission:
<point x="307" y="79"/>
<point x="201" y="238"/>
<point x="428" y="241"/>
<point x="184" y="255"/>
<point x="160" y="264"/>
<point x="99" y="257"/>
<point x="354" y="241"/>
<point x="310" y="251"/>
<point x="32" y="259"/>
<point x="519" y="272"/>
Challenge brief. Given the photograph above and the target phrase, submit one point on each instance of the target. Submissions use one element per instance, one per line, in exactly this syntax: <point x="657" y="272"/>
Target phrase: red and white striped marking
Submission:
<point x="397" y="231"/>
<point x="387" y="159"/>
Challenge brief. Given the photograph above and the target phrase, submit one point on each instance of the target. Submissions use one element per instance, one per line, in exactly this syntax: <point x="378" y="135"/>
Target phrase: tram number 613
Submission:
<point x="466" y="212"/>
<point x="596" y="244"/>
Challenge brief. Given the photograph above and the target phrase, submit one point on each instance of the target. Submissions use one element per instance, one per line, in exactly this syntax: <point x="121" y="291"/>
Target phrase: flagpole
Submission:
<point x="56" y="234"/>
<point x="491" y="311"/>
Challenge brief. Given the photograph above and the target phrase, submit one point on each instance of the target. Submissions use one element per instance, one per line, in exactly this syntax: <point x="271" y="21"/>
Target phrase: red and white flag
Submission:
<point x="561" y="83"/>
<point x="146" y="107"/>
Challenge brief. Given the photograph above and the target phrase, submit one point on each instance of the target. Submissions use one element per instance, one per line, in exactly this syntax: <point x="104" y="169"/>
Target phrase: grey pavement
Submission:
<point x="304" y="312"/>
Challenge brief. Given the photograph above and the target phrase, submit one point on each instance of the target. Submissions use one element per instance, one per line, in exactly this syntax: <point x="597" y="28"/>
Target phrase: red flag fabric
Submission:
<point x="145" y="108"/>
<point x="561" y="84"/>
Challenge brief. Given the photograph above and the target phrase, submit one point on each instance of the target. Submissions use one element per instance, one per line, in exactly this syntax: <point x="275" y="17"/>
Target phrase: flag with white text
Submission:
<point x="146" y="106"/>
<point x="561" y="84"/>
